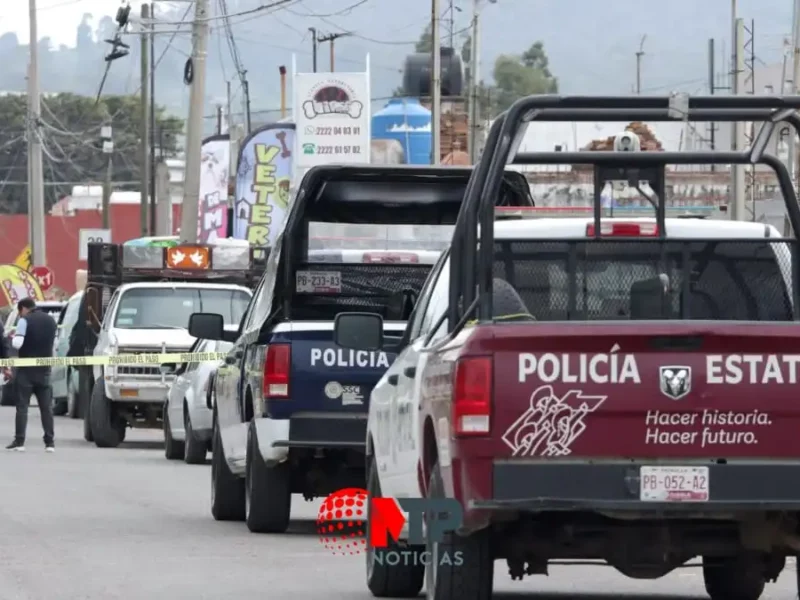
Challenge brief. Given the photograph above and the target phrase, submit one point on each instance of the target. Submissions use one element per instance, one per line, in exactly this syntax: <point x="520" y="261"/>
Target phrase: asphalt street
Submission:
<point x="125" y="523"/>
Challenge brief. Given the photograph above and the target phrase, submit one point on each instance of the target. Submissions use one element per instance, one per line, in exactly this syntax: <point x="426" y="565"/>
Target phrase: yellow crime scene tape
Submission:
<point x="118" y="359"/>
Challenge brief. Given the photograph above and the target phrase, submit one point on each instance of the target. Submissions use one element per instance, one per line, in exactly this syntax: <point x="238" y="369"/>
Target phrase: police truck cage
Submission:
<point x="565" y="265"/>
<point x="111" y="265"/>
<point x="364" y="238"/>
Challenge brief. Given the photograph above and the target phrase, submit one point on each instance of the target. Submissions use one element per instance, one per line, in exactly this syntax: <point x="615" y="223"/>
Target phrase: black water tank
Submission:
<point x="418" y="69"/>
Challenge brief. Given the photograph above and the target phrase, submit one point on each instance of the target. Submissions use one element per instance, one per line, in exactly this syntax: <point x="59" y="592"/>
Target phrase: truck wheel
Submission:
<point x="227" y="490"/>
<point x="462" y="567"/>
<point x="194" y="450"/>
<point x="108" y="430"/>
<point x="173" y="449"/>
<point x="8" y="397"/>
<point x="734" y="578"/>
<point x="385" y="580"/>
<point x="73" y="401"/>
<point x="59" y="407"/>
<point x="268" y="497"/>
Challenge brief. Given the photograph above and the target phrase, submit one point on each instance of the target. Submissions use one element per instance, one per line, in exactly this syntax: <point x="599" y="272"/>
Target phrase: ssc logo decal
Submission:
<point x="333" y="390"/>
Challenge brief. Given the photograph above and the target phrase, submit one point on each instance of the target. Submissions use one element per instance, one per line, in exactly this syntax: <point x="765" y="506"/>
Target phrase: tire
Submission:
<point x="390" y="581"/>
<point x="194" y="450"/>
<point x="173" y="449"/>
<point x="227" y="490"/>
<point x="85" y="400"/>
<point x="108" y="430"/>
<point x="59" y="407"/>
<point x="8" y="397"/>
<point x="735" y="578"/>
<point x="268" y="494"/>
<point x="470" y="578"/>
<point x="73" y="400"/>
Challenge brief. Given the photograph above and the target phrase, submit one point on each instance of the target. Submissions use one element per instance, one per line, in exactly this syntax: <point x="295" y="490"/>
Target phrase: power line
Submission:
<point x="277" y="4"/>
<point x="342" y="12"/>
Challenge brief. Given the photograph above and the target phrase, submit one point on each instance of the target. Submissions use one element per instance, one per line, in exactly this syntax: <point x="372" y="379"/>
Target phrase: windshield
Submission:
<point x="350" y="236"/>
<point x="598" y="280"/>
<point x="165" y="308"/>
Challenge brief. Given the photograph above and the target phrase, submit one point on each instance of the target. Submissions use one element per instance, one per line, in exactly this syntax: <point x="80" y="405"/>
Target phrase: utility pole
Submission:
<point x="313" y="48"/>
<point x="711" y="89"/>
<point x="795" y="90"/>
<point x="246" y="93"/>
<point x="639" y="56"/>
<point x="474" y="83"/>
<point x="190" y="208"/>
<point x="331" y="39"/>
<point x="452" y="10"/>
<point x="108" y="151"/>
<point x="737" y="172"/>
<point x="436" y="85"/>
<point x="144" y="123"/>
<point x="152" y="140"/>
<point x="36" y="218"/>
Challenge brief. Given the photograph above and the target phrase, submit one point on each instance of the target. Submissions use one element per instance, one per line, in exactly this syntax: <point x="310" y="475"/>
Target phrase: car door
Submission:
<point x="104" y="336"/>
<point x="58" y="373"/>
<point x="389" y="403"/>
<point x="181" y="385"/>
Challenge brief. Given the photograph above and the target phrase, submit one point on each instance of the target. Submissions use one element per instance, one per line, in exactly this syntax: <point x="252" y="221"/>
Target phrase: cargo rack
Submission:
<point x="111" y="265"/>
<point x="470" y="295"/>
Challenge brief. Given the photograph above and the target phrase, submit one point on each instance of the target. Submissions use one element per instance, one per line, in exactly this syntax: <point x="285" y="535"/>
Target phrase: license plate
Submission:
<point x="673" y="484"/>
<point x="318" y="282"/>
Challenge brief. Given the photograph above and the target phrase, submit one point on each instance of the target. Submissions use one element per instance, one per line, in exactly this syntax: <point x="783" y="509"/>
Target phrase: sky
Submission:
<point x="57" y="19"/>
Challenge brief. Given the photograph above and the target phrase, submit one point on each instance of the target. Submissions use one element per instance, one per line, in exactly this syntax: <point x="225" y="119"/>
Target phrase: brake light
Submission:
<point x="277" y="365"/>
<point x="472" y="396"/>
<point x="617" y="229"/>
<point x="391" y="257"/>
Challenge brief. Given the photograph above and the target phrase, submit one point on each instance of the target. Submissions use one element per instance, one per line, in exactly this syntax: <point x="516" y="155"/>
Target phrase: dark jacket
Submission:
<point x="40" y="335"/>
<point x="82" y="338"/>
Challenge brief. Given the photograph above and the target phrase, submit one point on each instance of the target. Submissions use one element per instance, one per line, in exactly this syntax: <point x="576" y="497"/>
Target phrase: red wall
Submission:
<point x="62" y="238"/>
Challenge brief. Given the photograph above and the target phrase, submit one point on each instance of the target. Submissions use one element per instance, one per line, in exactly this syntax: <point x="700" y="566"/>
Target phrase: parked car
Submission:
<point x="188" y="422"/>
<point x="64" y="379"/>
<point x="53" y="308"/>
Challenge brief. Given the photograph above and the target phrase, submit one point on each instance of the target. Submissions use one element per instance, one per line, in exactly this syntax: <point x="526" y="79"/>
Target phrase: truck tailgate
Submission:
<point x="646" y="390"/>
<point x="327" y="378"/>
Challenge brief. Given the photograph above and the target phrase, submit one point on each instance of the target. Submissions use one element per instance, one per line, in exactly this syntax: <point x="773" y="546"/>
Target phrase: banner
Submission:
<point x="18" y="284"/>
<point x="263" y="184"/>
<point x="332" y="114"/>
<point x="214" y="164"/>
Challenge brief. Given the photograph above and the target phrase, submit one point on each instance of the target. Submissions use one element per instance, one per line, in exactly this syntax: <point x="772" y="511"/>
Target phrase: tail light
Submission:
<point x="472" y="397"/>
<point x="617" y="229"/>
<point x="391" y="257"/>
<point x="277" y="365"/>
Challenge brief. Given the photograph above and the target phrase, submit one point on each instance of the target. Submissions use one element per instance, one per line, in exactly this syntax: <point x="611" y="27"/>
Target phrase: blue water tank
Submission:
<point x="408" y="122"/>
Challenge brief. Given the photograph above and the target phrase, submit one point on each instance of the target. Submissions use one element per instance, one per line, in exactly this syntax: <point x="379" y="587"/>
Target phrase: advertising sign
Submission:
<point x="263" y="184"/>
<point x="18" y="284"/>
<point x="91" y="236"/>
<point x="332" y="114"/>
<point x="213" y="214"/>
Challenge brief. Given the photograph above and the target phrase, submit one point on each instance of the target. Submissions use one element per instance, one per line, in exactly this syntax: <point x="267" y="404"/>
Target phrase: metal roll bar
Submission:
<point x="506" y="133"/>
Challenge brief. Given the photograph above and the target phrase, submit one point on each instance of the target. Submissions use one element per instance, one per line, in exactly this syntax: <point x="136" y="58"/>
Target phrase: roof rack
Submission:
<point x="471" y="276"/>
<point x="549" y="212"/>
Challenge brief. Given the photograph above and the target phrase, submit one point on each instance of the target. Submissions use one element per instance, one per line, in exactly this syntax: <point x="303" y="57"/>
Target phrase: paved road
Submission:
<point x="86" y="523"/>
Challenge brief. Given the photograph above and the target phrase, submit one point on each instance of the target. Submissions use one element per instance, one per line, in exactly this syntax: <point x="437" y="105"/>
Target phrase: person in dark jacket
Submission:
<point x="34" y="338"/>
<point x="82" y="340"/>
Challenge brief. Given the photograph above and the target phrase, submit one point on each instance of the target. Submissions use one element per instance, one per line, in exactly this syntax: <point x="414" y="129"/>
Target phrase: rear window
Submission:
<point x="636" y="279"/>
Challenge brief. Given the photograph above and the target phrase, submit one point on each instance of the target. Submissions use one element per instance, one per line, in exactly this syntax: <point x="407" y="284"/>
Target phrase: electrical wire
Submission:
<point x="277" y="4"/>
<point x="343" y="12"/>
<point x="384" y="42"/>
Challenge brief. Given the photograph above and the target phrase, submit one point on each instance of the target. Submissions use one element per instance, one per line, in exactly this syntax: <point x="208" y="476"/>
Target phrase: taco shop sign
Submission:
<point x="332" y="116"/>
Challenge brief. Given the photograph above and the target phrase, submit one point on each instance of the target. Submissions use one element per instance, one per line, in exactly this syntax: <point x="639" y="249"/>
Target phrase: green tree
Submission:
<point x="72" y="147"/>
<point x="517" y="76"/>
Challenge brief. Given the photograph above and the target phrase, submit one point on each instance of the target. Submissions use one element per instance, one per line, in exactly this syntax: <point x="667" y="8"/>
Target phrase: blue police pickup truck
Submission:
<point x="290" y="407"/>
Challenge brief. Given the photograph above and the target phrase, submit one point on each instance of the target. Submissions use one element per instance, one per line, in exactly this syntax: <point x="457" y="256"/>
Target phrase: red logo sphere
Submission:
<point x="342" y="521"/>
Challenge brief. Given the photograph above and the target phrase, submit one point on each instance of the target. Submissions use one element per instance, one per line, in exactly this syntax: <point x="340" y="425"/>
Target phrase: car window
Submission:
<point x="425" y="297"/>
<point x="439" y="300"/>
<point x="251" y="309"/>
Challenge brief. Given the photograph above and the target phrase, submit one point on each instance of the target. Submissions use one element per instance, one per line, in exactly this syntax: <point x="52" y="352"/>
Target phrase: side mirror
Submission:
<point x="207" y="326"/>
<point x="230" y="336"/>
<point x="168" y="368"/>
<point x="358" y="331"/>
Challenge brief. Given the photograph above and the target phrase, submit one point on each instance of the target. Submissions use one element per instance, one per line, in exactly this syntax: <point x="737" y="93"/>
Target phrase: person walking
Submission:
<point x="33" y="338"/>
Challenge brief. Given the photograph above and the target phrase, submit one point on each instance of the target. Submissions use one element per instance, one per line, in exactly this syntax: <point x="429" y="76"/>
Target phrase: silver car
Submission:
<point x="188" y="412"/>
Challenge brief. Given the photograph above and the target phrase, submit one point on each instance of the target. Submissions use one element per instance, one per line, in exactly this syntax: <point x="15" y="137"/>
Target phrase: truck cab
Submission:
<point x="291" y="406"/>
<point x="144" y="295"/>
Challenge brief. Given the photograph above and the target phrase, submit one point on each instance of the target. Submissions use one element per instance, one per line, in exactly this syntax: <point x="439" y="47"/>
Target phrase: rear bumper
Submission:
<point x="317" y="431"/>
<point x="733" y="487"/>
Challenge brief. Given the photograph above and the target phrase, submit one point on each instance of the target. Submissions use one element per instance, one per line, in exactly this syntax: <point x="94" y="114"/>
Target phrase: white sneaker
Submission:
<point x="50" y="449"/>
<point x="14" y="447"/>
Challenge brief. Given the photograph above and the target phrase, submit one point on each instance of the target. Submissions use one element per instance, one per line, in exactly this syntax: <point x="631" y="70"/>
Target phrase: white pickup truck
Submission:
<point x="152" y="316"/>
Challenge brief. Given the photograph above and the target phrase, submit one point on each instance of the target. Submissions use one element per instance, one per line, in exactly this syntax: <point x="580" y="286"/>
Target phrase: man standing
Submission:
<point x="34" y="337"/>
